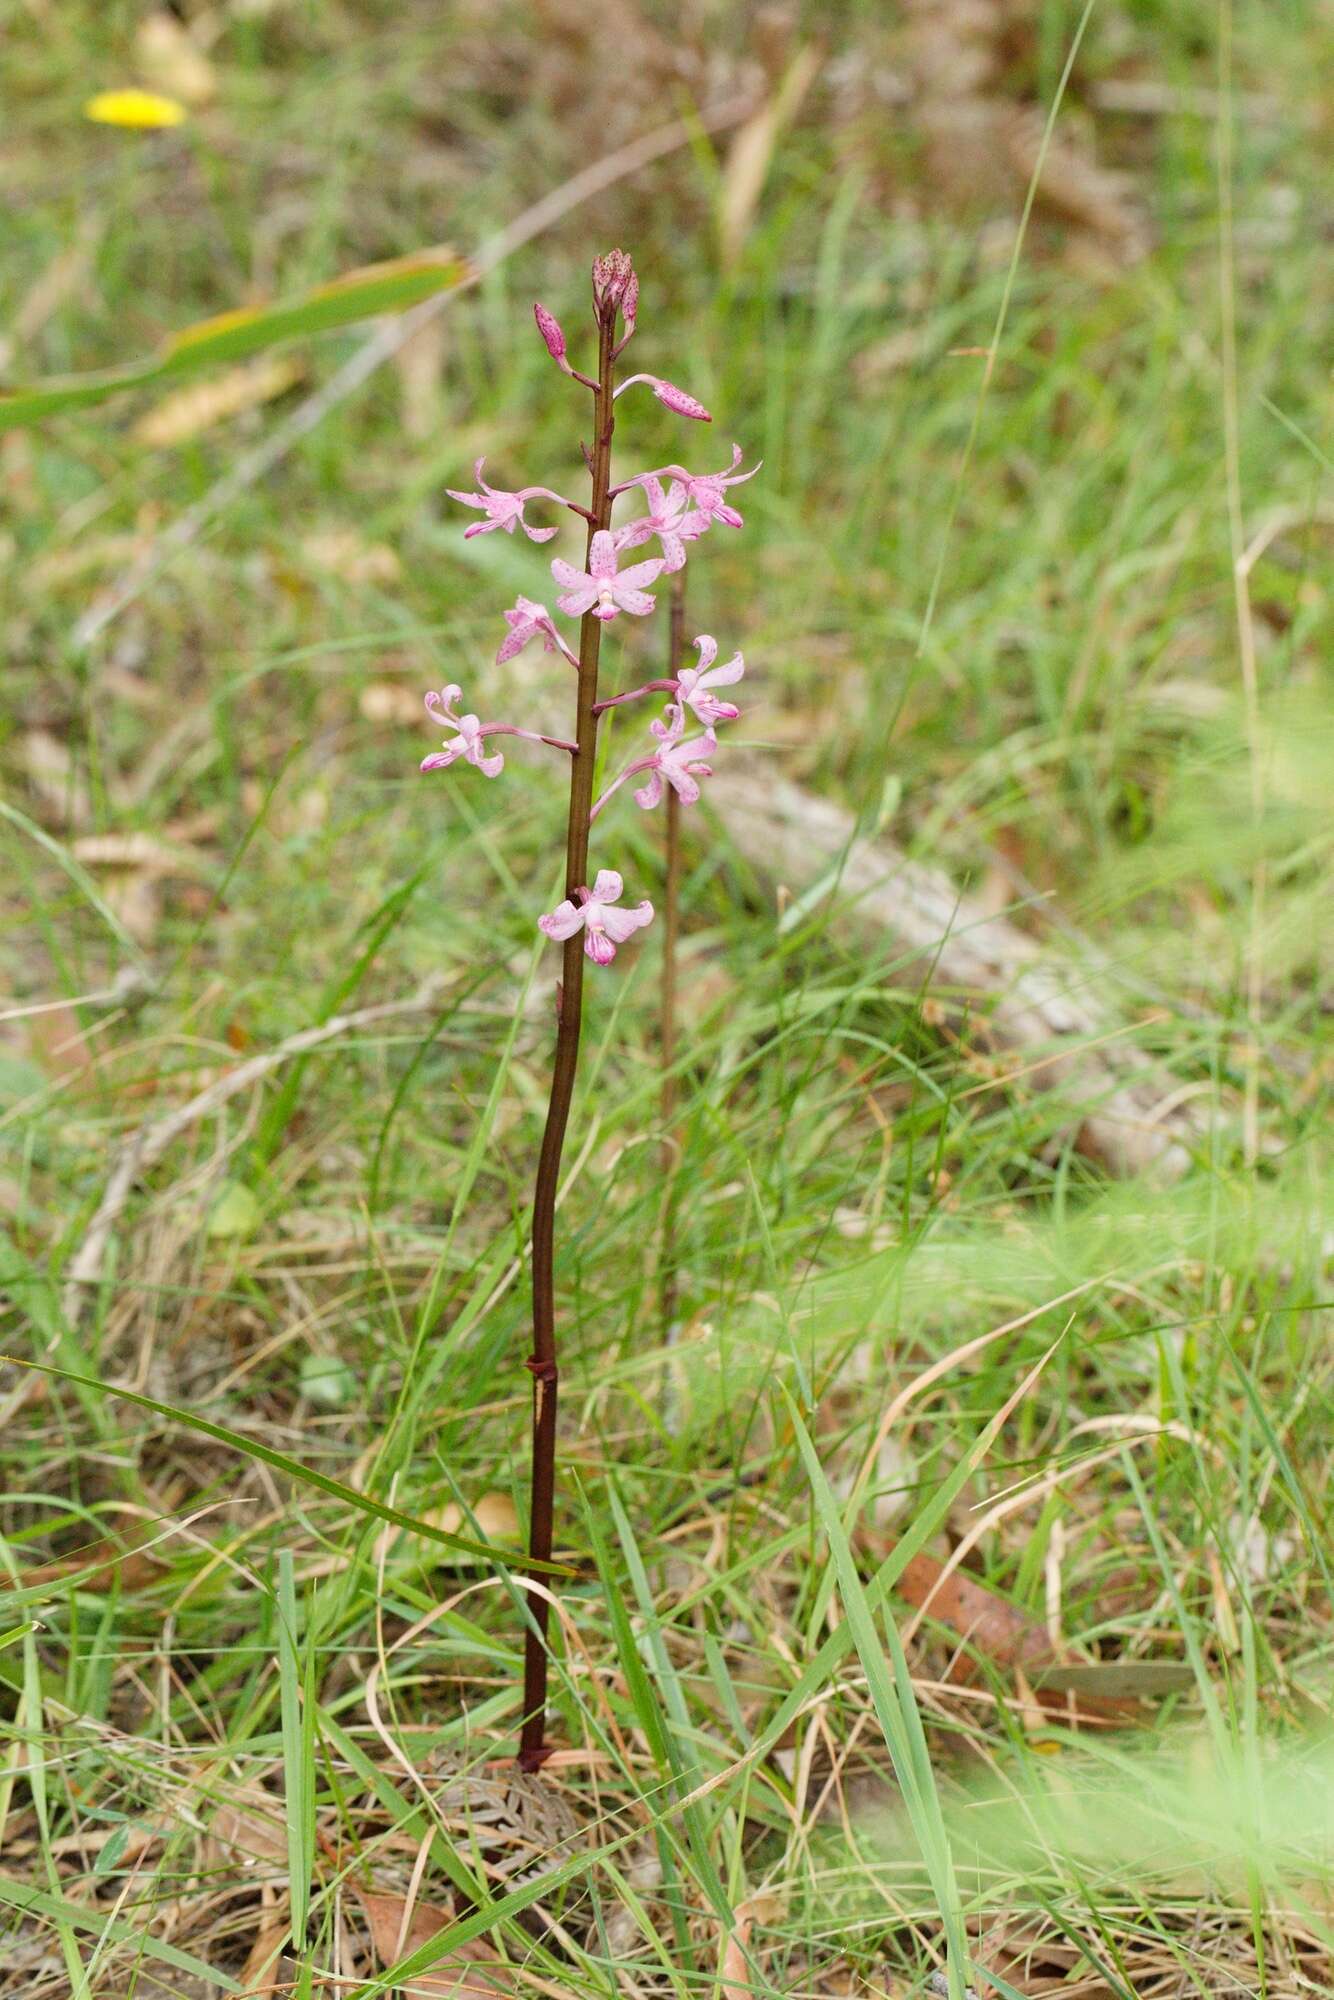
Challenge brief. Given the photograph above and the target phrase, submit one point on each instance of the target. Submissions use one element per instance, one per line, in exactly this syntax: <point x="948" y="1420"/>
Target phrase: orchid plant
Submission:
<point x="594" y="922"/>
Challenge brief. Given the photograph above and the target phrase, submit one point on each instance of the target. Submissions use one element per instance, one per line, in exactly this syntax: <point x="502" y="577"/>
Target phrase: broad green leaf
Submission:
<point x="231" y="336"/>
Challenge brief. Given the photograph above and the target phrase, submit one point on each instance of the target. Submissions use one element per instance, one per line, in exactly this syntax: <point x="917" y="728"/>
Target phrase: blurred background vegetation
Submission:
<point x="990" y="607"/>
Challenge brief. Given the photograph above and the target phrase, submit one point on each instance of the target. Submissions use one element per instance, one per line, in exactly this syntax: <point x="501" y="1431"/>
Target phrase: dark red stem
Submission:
<point x="533" y="1748"/>
<point x="670" y="932"/>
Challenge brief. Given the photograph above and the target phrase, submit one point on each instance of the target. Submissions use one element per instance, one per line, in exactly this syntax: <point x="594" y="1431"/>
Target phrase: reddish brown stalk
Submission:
<point x="533" y="1749"/>
<point x="667" y="1021"/>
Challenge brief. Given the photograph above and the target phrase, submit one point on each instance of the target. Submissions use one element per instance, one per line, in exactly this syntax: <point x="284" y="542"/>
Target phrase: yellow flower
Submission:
<point x="143" y="109"/>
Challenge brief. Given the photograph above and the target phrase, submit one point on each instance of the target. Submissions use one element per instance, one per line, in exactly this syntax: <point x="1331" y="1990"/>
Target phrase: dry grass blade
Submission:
<point x="752" y="151"/>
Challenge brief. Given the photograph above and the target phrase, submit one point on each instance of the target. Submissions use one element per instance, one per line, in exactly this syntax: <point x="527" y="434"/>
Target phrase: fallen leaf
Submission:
<point x="389" y="701"/>
<point x="473" y="1972"/>
<point x="343" y="552"/>
<point x="101" y="1566"/>
<point x="995" y="1627"/>
<point x="262" y="1975"/>
<point x="167" y="56"/>
<point x="143" y="851"/>
<point x="189" y="412"/>
<point x="55" y="778"/>
<point x="493" y="1515"/>
<point x="251" y="1826"/>
<point x="734" y="1980"/>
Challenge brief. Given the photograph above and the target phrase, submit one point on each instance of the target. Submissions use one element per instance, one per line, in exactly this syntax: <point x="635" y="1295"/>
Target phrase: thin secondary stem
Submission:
<point x="670" y="934"/>
<point x="533" y="1749"/>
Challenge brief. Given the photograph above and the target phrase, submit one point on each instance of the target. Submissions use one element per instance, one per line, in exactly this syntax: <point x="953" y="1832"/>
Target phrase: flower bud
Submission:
<point x="630" y="304"/>
<point x="677" y="399"/>
<point x="612" y="274"/>
<point x="549" y="328"/>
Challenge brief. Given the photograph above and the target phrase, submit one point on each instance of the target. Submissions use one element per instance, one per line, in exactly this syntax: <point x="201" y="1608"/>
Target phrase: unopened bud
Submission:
<point x="630" y="304"/>
<point x="677" y="399"/>
<point x="549" y="328"/>
<point x="612" y="275"/>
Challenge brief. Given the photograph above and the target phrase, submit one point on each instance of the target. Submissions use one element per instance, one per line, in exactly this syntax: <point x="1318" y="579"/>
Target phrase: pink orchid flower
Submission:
<point x="443" y="708"/>
<point x="674" y="763"/>
<point x="679" y="400"/>
<point x="669" y="518"/>
<point x="503" y="510"/>
<point x="599" y="589"/>
<point x="694" y="685"/>
<point x="525" y="621"/>
<point x="466" y="744"/>
<point x="604" y="927"/>
<point x="705" y="490"/>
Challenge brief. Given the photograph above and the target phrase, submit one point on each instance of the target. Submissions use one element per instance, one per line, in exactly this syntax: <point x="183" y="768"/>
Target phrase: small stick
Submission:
<point x="671" y="1147"/>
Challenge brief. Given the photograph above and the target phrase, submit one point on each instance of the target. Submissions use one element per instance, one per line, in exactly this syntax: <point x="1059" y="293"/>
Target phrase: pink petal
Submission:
<point x="724" y="676"/>
<point x="466" y="499"/>
<point x="566" y="573"/>
<point x="637" y="602"/>
<point x="490" y="767"/>
<point x="707" y="648"/>
<point x="650" y="792"/>
<point x="576" y="602"/>
<point x="639" y="574"/>
<point x="440" y="760"/>
<point x="563" y="922"/>
<point x="536" y="534"/>
<point x="602" y="556"/>
<point x="599" y="947"/>
<point x="608" y="887"/>
<point x="621" y="924"/>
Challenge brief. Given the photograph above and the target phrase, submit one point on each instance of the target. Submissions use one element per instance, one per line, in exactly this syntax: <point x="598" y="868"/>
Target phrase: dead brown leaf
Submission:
<point x="250" y="1826"/>
<point x="170" y="60"/>
<point x="994" y="1626"/>
<point x="55" y="779"/>
<point x="493" y="1518"/>
<point x="473" y="1972"/>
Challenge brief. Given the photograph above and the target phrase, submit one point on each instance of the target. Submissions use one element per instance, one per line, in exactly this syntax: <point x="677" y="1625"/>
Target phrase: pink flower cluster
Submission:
<point x="679" y="507"/>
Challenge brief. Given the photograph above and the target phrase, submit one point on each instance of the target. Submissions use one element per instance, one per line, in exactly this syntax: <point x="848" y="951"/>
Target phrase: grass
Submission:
<point x="331" y="1267"/>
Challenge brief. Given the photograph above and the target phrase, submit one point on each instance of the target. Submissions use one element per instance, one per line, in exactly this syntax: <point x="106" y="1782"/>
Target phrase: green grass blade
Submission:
<point x="896" y="1711"/>
<point x="305" y="1475"/>
<point x="235" y="336"/>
